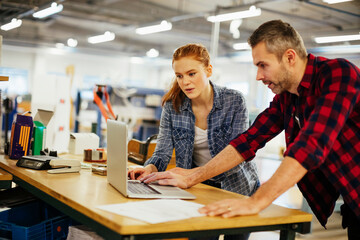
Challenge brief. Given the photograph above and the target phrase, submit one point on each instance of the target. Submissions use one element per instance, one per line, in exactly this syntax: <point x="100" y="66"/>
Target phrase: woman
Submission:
<point x="199" y="119"/>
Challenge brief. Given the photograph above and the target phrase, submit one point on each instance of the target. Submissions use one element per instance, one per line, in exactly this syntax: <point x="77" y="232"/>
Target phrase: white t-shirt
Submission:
<point x="201" y="147"/>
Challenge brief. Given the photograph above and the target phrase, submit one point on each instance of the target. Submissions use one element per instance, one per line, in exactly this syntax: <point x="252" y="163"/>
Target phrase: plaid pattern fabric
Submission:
<point x="322" y="131"/>
<point x="226" y="120"/>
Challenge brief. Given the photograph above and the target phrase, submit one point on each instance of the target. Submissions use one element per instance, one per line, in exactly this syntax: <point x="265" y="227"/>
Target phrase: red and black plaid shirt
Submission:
<point x="322" y="131"/>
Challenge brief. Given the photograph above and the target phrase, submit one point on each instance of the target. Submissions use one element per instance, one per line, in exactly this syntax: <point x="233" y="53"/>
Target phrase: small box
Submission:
<point x="80" y="141"/>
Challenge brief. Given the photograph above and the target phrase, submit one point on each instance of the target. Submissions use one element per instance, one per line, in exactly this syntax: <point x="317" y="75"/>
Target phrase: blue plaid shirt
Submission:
<point x="227" y="119"/>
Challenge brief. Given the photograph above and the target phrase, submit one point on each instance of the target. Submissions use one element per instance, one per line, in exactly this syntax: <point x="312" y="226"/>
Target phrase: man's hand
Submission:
<point x="166" y="178"/>
<point x="182" y="171"/>
<point x="286" y="176"/>
<point x="140" y="172"/>
<point x="231" y="207"/>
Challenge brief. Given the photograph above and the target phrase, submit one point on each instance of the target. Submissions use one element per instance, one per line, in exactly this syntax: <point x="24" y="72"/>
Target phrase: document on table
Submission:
<point x="156" y="211"/>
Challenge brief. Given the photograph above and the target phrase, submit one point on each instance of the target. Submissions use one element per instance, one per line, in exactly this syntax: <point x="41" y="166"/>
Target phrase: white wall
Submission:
<point x="110" y="70"/>
<point x="152" y="73"/>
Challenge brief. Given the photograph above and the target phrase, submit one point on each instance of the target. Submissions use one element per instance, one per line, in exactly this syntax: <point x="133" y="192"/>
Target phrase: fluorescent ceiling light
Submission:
<point x="252" y="12"/>
<point x="163" y="26"/>
<point x="59" y="45"/>
<point x="55" y="8"/>
<point x="342" y="38"/>
<point x="11" y="25"/>
<point x="152" y="53"/>
<point x="136" y="60"/>
<point x="241" y="46"/>
<point x="234" y="28"/>
<point x="106" y="37"/>
<point x="72" y="42"/>
<point x="335" y="1"/>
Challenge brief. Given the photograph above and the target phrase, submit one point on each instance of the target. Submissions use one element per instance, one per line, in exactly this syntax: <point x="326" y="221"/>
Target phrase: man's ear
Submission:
<point x="290" y="56"/>
<point x="209" y="71"/>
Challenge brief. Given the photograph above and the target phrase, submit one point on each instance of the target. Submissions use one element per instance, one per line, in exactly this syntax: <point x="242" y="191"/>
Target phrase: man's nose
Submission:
<point x="259" y="76"/>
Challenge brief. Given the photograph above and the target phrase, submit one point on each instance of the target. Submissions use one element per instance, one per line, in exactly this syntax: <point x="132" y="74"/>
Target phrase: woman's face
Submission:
<point x="192" y="76"/>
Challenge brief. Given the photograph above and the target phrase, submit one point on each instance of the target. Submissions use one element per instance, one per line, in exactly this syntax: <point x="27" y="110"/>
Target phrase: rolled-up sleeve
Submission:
<point x="266" y="126"/>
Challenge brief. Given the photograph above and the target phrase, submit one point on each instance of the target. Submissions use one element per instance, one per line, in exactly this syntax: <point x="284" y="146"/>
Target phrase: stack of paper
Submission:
<point x="156" y="211"/>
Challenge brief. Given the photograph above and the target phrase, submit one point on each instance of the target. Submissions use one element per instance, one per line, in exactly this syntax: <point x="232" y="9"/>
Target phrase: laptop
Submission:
<point x="117" y="159"/>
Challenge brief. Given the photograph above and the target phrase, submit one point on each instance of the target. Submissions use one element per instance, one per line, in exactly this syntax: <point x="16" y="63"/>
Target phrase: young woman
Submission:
<point x="199" y="119"/>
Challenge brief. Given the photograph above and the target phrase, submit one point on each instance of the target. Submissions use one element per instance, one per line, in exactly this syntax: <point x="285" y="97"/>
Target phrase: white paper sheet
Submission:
<point x="156" y="211"/>
<point x="4" y="209"/>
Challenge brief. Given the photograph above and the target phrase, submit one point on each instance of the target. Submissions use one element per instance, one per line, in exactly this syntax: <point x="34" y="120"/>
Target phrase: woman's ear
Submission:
<point x="209" y="71"/>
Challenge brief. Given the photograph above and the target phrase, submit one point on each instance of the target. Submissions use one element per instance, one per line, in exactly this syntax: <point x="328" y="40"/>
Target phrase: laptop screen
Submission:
<point x="117" y="155"/>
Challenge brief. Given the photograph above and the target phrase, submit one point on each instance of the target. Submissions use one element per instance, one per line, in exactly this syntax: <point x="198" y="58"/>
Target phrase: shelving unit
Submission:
<point x="140" y="108"/>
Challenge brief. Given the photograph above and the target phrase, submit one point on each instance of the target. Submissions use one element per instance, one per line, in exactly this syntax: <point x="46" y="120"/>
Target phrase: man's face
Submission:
<point x="270" y="71"/>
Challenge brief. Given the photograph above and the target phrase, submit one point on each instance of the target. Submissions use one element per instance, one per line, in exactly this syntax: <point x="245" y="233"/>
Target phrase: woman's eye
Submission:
<point x="192" y="74"/>
<point x="178" y="76"/>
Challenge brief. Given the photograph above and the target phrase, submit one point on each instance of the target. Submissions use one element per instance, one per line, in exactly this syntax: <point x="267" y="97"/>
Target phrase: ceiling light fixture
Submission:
<point x="343" y="38"/>
<point x="252" y="12"/>
<point x="241" y="46"/>
<point x="136" y="60"/>
<point x="106" y="37"/>
<point x="335" y="1"/>
<point x="11" y="25"/>
<point x="152" y="53"/>
<point x="59" y="45"/>
<point x="234" y="28"/>
<point x="163" y="26"/>
<point x="72" y="42"/>
<point x="54" y="8"/>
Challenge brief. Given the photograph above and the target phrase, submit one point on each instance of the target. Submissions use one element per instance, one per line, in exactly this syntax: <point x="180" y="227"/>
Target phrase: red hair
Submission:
<point x="201" y="54"/>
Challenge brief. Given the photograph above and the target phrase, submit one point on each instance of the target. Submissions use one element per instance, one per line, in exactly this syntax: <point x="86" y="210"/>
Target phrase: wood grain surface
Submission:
<point x="85" y="191"/>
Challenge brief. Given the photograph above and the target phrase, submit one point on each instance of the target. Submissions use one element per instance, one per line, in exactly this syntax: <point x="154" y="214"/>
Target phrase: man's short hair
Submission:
<point x="278" y="36"/>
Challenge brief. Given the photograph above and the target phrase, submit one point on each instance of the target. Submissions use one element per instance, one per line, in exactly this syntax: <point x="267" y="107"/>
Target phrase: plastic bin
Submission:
<point x="34" y="220"/>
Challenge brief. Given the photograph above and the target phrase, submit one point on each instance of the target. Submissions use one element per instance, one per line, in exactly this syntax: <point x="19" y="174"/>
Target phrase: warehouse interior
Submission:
<point x="52" y="63"/>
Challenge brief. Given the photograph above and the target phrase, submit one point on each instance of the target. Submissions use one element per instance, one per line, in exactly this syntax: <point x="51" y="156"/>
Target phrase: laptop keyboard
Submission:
<point x="141" y="188"/>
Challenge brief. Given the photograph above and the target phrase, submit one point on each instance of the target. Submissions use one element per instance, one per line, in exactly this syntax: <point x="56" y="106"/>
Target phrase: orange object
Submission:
<point x="101" y="89"/>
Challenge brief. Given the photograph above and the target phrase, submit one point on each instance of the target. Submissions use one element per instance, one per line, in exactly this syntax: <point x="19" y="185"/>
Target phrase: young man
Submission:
<point x="317" y="103"/>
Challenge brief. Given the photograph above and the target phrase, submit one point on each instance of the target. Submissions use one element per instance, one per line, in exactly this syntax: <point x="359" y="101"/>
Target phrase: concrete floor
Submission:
<point x="293" y="199"/>
<point x="334" y="231"/>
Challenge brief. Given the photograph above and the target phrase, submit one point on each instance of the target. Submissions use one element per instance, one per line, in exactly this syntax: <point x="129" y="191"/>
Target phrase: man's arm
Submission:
<point x="228" y="158"/>
<point x="286" y="176"/>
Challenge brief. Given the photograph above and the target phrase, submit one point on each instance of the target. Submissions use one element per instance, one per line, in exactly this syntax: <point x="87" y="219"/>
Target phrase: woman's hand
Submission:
<point x="140" y="172"/>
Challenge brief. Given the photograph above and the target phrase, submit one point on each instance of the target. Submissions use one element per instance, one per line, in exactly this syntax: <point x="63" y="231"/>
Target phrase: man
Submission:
<point x="317" y="103"/>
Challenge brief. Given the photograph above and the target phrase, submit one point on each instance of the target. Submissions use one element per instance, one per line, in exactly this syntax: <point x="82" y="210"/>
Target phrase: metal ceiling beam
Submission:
<point x="331" y="8"/>
<point x="306" y="19"/>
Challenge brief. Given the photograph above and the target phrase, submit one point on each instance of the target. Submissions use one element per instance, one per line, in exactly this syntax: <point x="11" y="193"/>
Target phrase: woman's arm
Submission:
<point x="164" y="145"/>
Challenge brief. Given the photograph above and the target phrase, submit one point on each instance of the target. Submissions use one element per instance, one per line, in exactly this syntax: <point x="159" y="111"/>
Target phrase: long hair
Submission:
<point x="201" y="54"/>
<point x="278" y="36"/>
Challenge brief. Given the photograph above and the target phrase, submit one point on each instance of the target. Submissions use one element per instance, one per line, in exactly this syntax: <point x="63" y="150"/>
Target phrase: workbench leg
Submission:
<point x="287" y="235"/>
